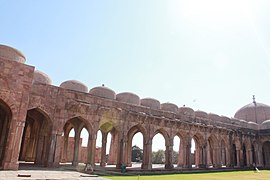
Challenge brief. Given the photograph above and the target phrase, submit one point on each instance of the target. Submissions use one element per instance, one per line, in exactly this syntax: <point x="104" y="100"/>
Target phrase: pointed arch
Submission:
<point x="5" y="119"/>
<point x="131" y="133"/>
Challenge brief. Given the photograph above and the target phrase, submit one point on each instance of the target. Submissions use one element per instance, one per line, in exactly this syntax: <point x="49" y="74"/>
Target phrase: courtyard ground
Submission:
<point x="236" y="175"/>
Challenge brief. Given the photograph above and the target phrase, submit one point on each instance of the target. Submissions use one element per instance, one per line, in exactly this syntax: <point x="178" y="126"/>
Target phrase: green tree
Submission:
<point x="158" y="157"/>
<point x="137" y="154"/>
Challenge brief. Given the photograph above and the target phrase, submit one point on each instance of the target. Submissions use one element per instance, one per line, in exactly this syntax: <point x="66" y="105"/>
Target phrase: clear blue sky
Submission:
<point x="211" y="55"/>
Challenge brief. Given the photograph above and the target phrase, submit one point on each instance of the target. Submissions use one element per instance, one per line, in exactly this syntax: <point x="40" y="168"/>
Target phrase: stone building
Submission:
<point x="36" y="118"/>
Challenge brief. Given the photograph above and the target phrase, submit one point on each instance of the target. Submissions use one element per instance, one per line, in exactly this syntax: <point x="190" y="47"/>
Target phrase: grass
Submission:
<point x="236" y="175"/>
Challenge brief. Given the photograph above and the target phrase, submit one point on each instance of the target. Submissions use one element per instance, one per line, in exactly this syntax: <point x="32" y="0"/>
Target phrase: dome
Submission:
<point x="225" y="119"/>
<point x="74" y="85"/>
<point x="186" y="110"/>
<point x="169" y="107"/>
<point x="41" y="77"/>
<point x="11" y="54"/>
<point x="252" y="125"/>
<point x="214" y="117"/>
<point x="265" y="125"/>
<point x="103" y="91"/>
<point x="254" y="112"/>
<point x="128" y="97"/>
<point x="202" y="114"/>
<point x="150" y="102"/>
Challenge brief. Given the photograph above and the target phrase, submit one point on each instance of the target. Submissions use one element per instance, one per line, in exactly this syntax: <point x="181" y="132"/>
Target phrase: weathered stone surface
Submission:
<point x="36" y="119"/>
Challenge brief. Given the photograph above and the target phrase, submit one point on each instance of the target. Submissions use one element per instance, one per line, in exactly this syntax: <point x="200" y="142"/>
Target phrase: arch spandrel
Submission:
<point x="135" y="129"/>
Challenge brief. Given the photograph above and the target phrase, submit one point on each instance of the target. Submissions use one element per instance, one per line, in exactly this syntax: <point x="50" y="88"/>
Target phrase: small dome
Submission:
<point x="74" y="85"/>
<point x="254" y="112"/>
<point x="252" y="125"/>
<point x="202" y="114"/>
<point x="41" y="77"/>
<point x="265" y="125"/>
<point x="149" y="102"/>
<point x="214" y="117"/>
<point x="11" y="54"/>
<point x="169" y="107"/>
<point x="225" y="119"/>
<point x="128" y="97"/>
<point x="186" y="110"/>
<point x="103" y="91"/>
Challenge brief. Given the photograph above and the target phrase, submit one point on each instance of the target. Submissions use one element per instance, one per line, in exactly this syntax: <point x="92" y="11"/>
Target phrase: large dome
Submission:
<point x="10" y="53"/>
<point x="254" y="112"/>
<point x="74" y="85"/>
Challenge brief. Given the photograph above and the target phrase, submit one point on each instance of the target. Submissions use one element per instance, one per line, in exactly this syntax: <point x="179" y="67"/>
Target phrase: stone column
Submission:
<point x="13" y="143"/>
<point x="204" y="156"/>
<point x="238" y="156"/>
<point x="147" y="155"/>
<point x="91" y="147"/>
<point x="181" y="155"/>
<point x="121" y="151"/>
<point x="103" y="149"/>
<point x="259" y="155"/>
<point x="188" y="163"/>
<point x="168" y="155"/>
<point x="76" y="148"/>
<point x="64" y="158"/>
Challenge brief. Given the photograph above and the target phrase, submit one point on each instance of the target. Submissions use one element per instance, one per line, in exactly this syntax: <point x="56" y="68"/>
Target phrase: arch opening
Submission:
<point x="158" y="151"/>
<point x="266" y="154"/>
<point x="76" y="146"/>
<point x="5" y="118"/>
<point x="35" y="146"/>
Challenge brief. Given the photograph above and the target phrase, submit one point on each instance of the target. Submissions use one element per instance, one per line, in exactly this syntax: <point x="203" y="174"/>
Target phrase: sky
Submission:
<point x="210" y="55"/>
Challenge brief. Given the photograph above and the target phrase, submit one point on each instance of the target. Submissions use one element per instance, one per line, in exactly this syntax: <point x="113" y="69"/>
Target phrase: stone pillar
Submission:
<point x="64" y="158"/>
<point x="121" y="151"/>
<point x="103" y="149"/>
<point x="54" y="154"/>
<point x="13" y="145"/>
<point x="181" y="155"/>
<point x="188" y="163"/>
<point x="76" y="148"/>
<point x="91" y="147"/>
<point x="238" y="157"/>
<point x="259" y="154"/>
<point x="147" y="155"/>
<point x="39" y="152"/>
<point x="168" y="155"/>
<point x="204" y="163"/>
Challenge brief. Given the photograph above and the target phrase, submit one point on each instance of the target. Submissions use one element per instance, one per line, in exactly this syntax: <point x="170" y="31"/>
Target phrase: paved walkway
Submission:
<point x="47" y="175"/>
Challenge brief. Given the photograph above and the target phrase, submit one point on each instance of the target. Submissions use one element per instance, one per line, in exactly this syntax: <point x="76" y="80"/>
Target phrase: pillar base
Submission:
<point x="146" y="166"/>
<point x="10" y="166"/>
<point x="169" y="166"/>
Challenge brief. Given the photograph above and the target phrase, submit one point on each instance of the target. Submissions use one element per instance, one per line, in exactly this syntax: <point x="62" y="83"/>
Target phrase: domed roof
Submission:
<point x="214" y="117"/>
<point x="265" y="125"/>
<point x="74" y="85"/>
<point x="186" y="110"/>
<point x="169" y="107"/>
<point x="12" y="54"/>
<point x="254" y="112"/>
<point x="41" y="77"/>
<point x="128" y="97"/>
<point x="150" y="102"/>
<point x="201" y="114"/>
<point x="103" y="91"/>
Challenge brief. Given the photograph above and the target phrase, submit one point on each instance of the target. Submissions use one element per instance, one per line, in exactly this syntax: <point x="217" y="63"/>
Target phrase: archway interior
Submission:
<point x="4" y="127"/>
<point x="75" y="144"/>
<point x="193" y="149"/>
<point x="266" y="154"/>
<point x="158" y="151"/>
<point x="137" y="150"/>
<point x="176" y="151"/>
<point x="35" y="144"/>
<point x="234" y="155"/>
